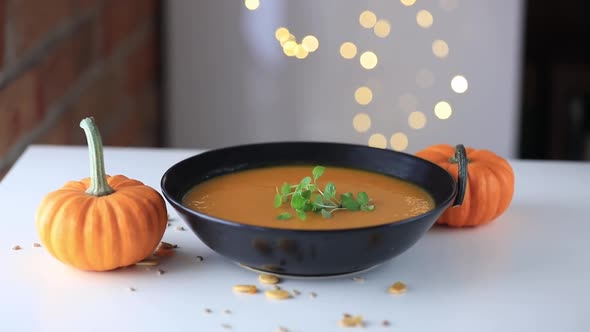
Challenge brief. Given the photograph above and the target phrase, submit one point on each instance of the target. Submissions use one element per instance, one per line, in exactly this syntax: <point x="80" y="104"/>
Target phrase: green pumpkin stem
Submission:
<point x="99" y="185"/>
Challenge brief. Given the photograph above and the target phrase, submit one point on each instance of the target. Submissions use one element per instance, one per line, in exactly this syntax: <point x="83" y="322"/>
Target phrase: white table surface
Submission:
<point x="527" y="271"/>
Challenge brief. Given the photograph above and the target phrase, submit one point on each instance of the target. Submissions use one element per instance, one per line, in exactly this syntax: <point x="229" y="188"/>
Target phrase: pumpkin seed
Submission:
<point x="131" y="289"/>
<point x="313" y="295"/>
<point x="17" y="247"/>
<point x="180" y="228"/>
<point x="268" y="279"/>
<point x="358" y="279"/>
<point x="36" y="245"/>
<point x="208" y="311"/>
<point x="385" y="323"/>
<point x="227" y="312"/>
<point x="200" y="258"/>
<point x="296" y="292"/>
<point x="148" y="262"/>
<point x="398" y="287"/>
<point x="351" y="321"/>
<point x="166" y="245"/>
<point x="278" y="294"/>
<point x="248" y="289"/>
<point x="160" y="272"/>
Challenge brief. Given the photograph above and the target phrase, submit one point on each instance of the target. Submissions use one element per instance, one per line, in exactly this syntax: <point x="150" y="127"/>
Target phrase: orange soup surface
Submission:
<point x="247" y="197"/>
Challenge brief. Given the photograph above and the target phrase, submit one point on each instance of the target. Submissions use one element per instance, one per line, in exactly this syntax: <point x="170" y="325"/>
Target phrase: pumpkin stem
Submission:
<point x="99" y="185"/>
<point x="455" y="160"/>
<point x="460" y="158"/>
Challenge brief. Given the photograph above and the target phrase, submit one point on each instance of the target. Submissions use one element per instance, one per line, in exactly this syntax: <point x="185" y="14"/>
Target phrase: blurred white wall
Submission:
<point x="229" y="81"/>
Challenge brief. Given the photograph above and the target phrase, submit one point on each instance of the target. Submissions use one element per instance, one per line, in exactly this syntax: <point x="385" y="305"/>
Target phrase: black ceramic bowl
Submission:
<point x="306" y="252"/>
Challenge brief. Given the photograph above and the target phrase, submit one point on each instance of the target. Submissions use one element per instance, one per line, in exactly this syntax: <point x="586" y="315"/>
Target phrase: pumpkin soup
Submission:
<point x="247" y="197"/>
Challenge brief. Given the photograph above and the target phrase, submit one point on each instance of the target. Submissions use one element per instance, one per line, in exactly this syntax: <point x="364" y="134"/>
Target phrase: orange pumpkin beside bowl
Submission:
<point x="490" y="185"/>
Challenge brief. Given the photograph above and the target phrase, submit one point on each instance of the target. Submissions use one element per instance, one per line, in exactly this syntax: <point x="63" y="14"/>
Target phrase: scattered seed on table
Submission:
<point x="131" y="289"/>
<point x="268" y="279"/>
<point x="166" y="245"/>
<point x="148" y="262"/>
<point x="169" y="224"/>
<point x="398" y="287"/>
<point x="278" y="294"/>
<point x="17" y="247"/>
<point x="180" y="228"/>
<point x="36" y="245"/>
<point x="385" y="323"/>
<point x="282" y="329"/>
<point x="358" y="279"/>
<point x="227" y="312"/>
<point x="276" y="287"/>
<point x="351" y="321"/>
<point x="313" y="295"/>
<point x="248" y="289"/>
<point x="160" y="272"/>
<point x="208" y="311"/>
<point x="296" y="292"/>
<point x="200" y="258"/>
<point x="226" y="326"/>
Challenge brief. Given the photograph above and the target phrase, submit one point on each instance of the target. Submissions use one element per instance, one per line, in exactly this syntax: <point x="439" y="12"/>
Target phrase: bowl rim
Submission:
<point x="179" y="205"/>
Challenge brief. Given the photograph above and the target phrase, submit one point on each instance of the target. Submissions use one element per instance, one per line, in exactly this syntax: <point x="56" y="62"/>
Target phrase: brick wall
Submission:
<point x="63" y="60"/>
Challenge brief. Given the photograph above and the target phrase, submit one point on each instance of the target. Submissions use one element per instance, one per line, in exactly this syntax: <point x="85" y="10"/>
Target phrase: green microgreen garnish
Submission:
<point x="306" y="196"/>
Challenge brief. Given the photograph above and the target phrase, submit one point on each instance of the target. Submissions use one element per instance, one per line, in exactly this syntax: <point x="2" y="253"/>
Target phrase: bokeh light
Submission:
<point x="424" y="19"/>
<point x="443" y="110"/>
<point x="378" y="141"/>
<point x="459" y="84"/>
<point x="382" y="28"/>
<point x="348" y="50"/>
<point x="310" y="43"/>
<point x="408" y="2"/>
<point x="440" y="48"/>
<point x="361" y="122"/>
<point x="399" y="141"/>
<point x="367" y="19"/>
<point x="289" y="48"/>
<point x="252" y="4"/>
<point x="368" y="60"/>
<point x="300" y="52"/>
<point x="363" y="95"/>
<point x="282" y="34"/>
<point x="417" y="120"/>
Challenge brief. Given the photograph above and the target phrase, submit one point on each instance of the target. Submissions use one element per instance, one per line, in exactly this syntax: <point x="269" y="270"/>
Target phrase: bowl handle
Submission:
<point x="461" y="159"/>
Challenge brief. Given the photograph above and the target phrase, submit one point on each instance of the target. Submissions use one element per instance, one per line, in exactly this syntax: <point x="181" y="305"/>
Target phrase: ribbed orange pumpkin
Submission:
<point x="490" y="184"/>
<point x="101" y="223"/>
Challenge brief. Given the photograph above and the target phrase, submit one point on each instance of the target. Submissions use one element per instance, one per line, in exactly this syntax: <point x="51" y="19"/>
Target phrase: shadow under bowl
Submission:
<point x="307" y="253"/>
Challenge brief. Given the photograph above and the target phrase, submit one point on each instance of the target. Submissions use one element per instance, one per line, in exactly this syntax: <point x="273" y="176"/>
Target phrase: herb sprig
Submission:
<point x="306" y="196"/>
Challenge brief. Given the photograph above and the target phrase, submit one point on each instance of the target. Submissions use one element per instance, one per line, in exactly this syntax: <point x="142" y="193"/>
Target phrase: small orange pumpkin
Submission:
<point x="101" y="223"/>
<point x="490" y="184"/>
